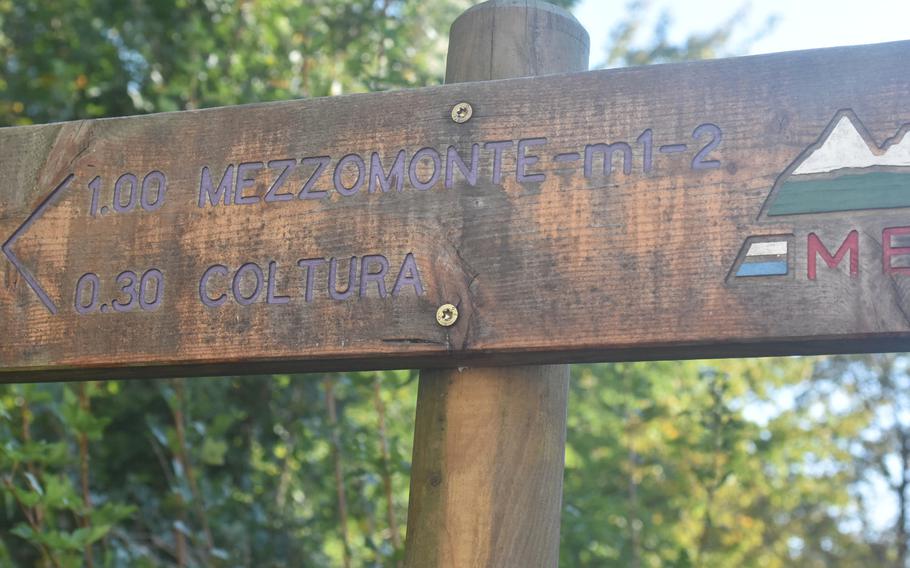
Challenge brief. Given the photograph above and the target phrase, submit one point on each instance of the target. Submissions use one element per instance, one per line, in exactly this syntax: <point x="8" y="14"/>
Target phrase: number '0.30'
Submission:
<point x="143" y="292"/>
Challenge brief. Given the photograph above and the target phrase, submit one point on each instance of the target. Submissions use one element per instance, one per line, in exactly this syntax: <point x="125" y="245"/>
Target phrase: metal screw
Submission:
<point x="462" y="112"/>
<point x="446" y="315"/>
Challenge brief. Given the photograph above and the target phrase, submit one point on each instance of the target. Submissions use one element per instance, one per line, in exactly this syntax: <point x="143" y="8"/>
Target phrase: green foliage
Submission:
<point x="91" y="58"/>
<point x="43" y="504"/>
<point x="759" y="463"/>
<point x="861" y="408"/>
<point x="214" y="472"/>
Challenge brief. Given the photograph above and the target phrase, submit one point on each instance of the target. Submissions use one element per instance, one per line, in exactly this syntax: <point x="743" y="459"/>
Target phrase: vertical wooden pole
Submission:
<point x="489" y="444"/>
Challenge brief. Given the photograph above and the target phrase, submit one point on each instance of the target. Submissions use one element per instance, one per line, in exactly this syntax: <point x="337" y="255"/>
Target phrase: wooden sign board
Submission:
<point x="748" y="206"/>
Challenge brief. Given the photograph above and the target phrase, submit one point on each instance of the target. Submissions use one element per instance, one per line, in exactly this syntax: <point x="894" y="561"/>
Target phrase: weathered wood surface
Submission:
<point x="490" y="442"/>
<point x="574" y="267"/>
<point x="486" y="479"/>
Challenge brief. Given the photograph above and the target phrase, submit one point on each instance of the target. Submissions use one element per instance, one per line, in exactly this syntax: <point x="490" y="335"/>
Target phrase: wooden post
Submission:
<point x="489" y="444"/>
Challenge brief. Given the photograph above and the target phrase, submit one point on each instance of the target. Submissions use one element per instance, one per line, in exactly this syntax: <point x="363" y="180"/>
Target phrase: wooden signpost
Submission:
<point x="747" y="206"/>
<point x="738" y="207"/>
<point x="489" y="443"/>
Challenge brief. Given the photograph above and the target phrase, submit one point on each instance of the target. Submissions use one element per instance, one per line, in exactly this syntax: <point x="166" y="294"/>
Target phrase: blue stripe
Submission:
<point x="773" y="268"/>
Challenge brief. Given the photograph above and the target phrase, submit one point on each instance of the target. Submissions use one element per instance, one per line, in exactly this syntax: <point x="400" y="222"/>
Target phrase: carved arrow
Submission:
<point x="8" y="245"/>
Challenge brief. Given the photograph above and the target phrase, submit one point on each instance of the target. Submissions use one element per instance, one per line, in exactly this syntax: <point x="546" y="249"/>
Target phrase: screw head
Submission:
<point x="462" y="112"/>
<point x="446" y="315"/>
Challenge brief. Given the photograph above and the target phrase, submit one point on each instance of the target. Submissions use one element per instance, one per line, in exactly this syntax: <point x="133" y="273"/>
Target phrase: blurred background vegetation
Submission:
<point x="758" y="462"/>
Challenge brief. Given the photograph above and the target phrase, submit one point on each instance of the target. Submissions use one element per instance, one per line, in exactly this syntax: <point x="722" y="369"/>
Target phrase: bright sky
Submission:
<point x="802" y="24"/>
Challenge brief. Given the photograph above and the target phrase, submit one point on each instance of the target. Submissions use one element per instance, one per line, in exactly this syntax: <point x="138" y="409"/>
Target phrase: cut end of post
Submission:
<point x="503" y="39"/>
<point x="527" y="4"/>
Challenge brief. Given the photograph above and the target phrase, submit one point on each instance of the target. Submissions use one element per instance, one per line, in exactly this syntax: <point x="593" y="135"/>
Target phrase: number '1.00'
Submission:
<point x="128" y="193"/>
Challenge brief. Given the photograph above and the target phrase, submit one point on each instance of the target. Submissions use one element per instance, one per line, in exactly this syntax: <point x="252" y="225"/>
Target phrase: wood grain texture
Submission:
<point x="486" y="480"/>
<point x="505" y="39"/>
<point x="489" y="443"/>
<point x="573" y="268"/>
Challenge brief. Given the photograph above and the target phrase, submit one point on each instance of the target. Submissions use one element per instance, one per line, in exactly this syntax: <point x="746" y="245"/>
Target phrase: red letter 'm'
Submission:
<point x="851" y="243"/>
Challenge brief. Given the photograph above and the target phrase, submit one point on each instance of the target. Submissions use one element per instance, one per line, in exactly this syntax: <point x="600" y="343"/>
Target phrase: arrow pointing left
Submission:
<point x="8" y="245"/>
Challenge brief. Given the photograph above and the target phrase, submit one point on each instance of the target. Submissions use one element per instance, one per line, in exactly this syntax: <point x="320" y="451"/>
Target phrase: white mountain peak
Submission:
<point x="846" y="148"/>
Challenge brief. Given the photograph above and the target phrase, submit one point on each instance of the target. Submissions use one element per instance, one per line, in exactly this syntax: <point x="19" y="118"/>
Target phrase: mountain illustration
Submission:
<point x="845" y="171"/>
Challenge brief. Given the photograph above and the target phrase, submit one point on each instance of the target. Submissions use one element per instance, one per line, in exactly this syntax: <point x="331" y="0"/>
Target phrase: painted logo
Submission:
<point x="844" y="170"/>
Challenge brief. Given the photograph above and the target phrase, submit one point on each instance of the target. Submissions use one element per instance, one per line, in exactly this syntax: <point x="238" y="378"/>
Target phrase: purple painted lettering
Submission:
<point x="498" y="148"/>
<point x="95" y="186"/>
<point x="156" y="276"/>
<point x="377" y="174"/>
<point x="271" y="297"/>
<point x="333" y="271"/>
<point x="123" y="181"/>
<point x="699" y="162"/>
<point x="286" y="167"/>
<point x="203" y="286"/>
<point x="310" y="264"/>
<point x="88" y="279"/>
<point x="453" y="158"/>
<point x="378" y="277"/>
<point x="646" y="139"/>
<point x="243" y="182"/>
<point x="525" y="160"/>
<point x="130" y="286"/>
<point x="338" y="178"/>
<point x="408" y="275"/>
<point x="433" y="155"/>
<point x="207" y="188"/>
<point x="307" y="191"/>
<point x="607" y="150"/>
<point x="253" y="269"/>
<point x="157" y="178"/>
<point x="567" y="157"/>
